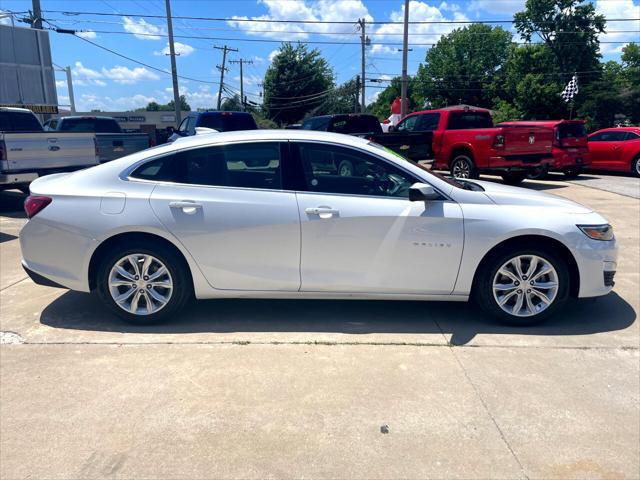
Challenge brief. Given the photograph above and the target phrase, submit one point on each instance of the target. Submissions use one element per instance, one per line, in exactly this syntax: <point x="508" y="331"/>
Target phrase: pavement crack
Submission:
<point x="484" y="404"/>
<point x="14" y="283"/>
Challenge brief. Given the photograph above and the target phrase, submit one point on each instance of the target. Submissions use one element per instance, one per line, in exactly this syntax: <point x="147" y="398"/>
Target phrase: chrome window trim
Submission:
<point x="125" y="175"/>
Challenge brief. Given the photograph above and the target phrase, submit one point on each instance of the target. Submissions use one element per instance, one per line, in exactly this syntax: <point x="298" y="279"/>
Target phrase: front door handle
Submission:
<point x="322" y="212"/>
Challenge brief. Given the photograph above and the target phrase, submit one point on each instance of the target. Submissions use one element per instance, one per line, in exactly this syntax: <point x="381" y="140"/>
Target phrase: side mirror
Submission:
<point x="421" y="192"/>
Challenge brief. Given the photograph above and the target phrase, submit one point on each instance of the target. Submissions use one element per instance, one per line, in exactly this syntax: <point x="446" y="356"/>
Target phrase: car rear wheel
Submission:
<point x="538" y="173"/>
<point x="144" y="284"/>
<point x="462" y="167"/>
<point x="513" y="178"/>
<point x="522" y="286"/>
<point x="345" y="169"/>
<point x="635" y="166"/>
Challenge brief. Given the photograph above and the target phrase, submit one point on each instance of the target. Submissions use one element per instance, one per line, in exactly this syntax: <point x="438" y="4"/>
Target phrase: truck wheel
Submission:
<point x="538" y="173"/>
<point x="514" y="178"/>
<point x="572" y="172"/>
<point x="462" y="167"/>
<point x="635" y="166"/>
<point x="345" y="169"/>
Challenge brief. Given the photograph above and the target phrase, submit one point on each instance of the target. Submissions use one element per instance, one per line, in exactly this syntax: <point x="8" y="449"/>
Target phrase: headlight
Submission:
<point x="597" y="232"/>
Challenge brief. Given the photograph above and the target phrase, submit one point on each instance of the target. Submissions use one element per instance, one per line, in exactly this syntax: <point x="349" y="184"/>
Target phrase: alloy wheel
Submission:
<point x="140" y="284"/>
<point x="461" y="169"/>
<point x="637" y="166"/>
<point x="525" y="285"/>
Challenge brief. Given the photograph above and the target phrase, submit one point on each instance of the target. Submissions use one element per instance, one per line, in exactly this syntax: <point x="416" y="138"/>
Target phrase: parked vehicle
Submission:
<point x="112" y="141"/>
<point x="616" y="149"/>
<point x="570" y="150"/>
<point x="358" y="124"/>
<point x="27" y="152"/>
<point x="247" y="214"/>
<point x="219" y="121"/>
<point x="463" y="140"/>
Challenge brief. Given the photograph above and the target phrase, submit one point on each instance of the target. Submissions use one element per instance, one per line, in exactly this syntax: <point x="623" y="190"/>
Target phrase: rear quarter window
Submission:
<point x="469" y="120"/>
<point x="19" y="122"/>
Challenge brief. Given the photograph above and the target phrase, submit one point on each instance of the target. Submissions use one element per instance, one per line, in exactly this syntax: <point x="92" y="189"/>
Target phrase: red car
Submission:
<point x="570" y="150"/>
<point x="616" y="149"/>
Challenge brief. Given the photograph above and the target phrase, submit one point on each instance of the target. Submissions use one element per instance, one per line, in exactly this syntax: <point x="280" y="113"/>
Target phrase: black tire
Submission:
<point x="345" y="169"/>
<point x="635" y="166"/>
<point x="572" y="172"/>
<point x="483" y="295"/>
<point x="462" y="166"/>
<point x="181" y="294"/>
<point x="514" y="178"/>
<point x="539" y="173"/>
<point x="24" y="189"/>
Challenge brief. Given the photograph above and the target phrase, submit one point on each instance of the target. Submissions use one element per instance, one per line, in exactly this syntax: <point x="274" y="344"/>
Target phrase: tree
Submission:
<point x="345" y="99"/>
<point x="232" y="104"/>
<point x="169" y="107"/>
<point x="297" y="81"/>
<point x="570" y="29"/>
<point x="464" y="66"/>
<point x="382" y="105"/>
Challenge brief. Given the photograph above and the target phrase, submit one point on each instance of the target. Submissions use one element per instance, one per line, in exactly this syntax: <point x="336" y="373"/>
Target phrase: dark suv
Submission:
<point x="358" y="124"/>
<point x="220" y="121"/>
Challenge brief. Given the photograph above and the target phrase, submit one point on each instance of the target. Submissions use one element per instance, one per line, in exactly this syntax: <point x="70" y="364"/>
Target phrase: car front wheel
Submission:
<point x="144" y="284"/>
<point x="635" y="166"/>
<point x="523" y="287"/>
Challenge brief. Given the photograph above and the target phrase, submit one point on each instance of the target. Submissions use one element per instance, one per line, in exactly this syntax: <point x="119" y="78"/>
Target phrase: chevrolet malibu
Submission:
<point x="265" y="214"/>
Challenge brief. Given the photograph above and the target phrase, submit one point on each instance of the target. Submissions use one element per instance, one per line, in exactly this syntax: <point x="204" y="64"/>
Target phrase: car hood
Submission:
<point x="507" y="195"/>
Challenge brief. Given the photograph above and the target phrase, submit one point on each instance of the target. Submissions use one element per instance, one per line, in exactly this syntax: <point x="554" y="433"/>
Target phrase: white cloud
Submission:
<point x="426" y="33"/>
<point x="61" y="84"/>
<point x="249" y="80"/>
<point x="88" y="34"/>
<point x="126" y="76"/>
<point x="84" y="76"/>
<point x="273" y="54"/>
<point x="258" y="59"/>
<point x="325" y="10"/>
<point x="142" y="29"/>
<point x="619" y="9"/>
<point x="181" y="49"/>
<point x="90" y="101"/>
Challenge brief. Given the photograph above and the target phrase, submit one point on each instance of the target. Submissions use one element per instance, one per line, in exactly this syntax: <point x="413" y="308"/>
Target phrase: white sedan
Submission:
<point x="269" y="214"/>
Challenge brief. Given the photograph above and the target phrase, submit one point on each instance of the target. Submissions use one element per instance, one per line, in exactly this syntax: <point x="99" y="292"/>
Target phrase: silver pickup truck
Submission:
<point x="112" y="141"/>
<point x="27" y="152"/>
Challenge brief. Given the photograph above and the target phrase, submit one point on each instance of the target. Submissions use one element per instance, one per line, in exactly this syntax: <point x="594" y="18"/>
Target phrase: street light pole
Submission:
<point x="72" y="100"/>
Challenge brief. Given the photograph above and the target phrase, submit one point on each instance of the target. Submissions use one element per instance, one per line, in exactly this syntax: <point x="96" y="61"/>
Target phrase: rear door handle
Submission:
<point x="186" y="206"/>
<point x="323" y="212"/>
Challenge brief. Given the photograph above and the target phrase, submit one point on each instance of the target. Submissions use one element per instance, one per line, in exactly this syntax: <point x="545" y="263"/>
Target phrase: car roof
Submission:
<point x="219" y="112"/>
<point x="618" y="129"/>
<point x="80" y="117"/>
<point x="453" y="108"/>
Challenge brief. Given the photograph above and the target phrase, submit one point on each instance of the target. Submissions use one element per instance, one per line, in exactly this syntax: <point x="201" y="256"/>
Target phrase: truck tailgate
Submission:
<point x="116" y="145"/>
<point x="41" y="151"/>
<point x="527" y="141"/>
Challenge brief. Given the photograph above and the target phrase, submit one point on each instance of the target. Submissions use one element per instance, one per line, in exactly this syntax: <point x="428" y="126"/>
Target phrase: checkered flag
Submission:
<point x="570" y="90"/>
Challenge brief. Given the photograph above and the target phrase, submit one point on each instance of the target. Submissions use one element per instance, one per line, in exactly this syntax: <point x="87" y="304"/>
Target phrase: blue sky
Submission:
<point x="108" y="82"/>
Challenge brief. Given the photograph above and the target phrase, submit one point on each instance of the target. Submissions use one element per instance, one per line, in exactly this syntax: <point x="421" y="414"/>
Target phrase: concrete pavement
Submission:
<point x="273" y="389"/>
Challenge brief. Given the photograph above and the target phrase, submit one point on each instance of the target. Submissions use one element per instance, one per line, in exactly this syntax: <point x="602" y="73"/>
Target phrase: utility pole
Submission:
<point x="355" y="100"/>
<point x="72" y="100"/>
<point x="222" y="68"/>
<point x="174" y="70"/>
<point x="242" y="61"/>
<point x="36" y="14"/>
<point x="405" y="51"/>
<point x="364" y="41"/>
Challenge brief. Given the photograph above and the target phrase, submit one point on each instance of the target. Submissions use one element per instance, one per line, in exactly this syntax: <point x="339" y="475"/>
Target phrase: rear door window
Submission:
<point x="469" y="120"/>
<point x="428" y="122"/>
<point x="632" y="136"/>
<point x="19" y="122"/>
<point x="245" y="165"/>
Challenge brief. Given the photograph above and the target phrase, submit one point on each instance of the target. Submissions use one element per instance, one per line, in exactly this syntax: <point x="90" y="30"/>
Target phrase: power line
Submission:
<point x="324" y="22"/>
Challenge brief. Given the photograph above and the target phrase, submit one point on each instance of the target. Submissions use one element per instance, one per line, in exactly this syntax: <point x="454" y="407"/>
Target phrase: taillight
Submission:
<point x="34" y="204"/>
<point x="498" y="141"/>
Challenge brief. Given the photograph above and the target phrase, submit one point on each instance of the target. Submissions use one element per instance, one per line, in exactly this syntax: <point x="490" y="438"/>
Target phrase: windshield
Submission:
<point x="93" y="125"/>
<point x="228" y="122"/>
<point x="450" y="180"/>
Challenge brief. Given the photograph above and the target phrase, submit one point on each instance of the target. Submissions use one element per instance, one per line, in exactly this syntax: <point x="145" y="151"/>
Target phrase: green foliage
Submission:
<point x="505" y="112"/>
<point x="232" y="104"/>
<point x="298" y="81"/>
<point x="381" y="108"/>
<point x="169" y="107"/>
<point x="464" y="66"/>
<point x="345" y="99"/>
<point x="569" y="29"/>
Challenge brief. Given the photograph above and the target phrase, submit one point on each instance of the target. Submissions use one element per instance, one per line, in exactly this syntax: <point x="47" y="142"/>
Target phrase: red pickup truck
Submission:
<point x="463" y="140"/>
<point x="570" y="144"/>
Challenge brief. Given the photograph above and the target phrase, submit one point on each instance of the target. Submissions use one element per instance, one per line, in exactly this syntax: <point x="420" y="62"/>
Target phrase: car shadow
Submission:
<point x="463" y="321"/>
<point x="11" y="204"/>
